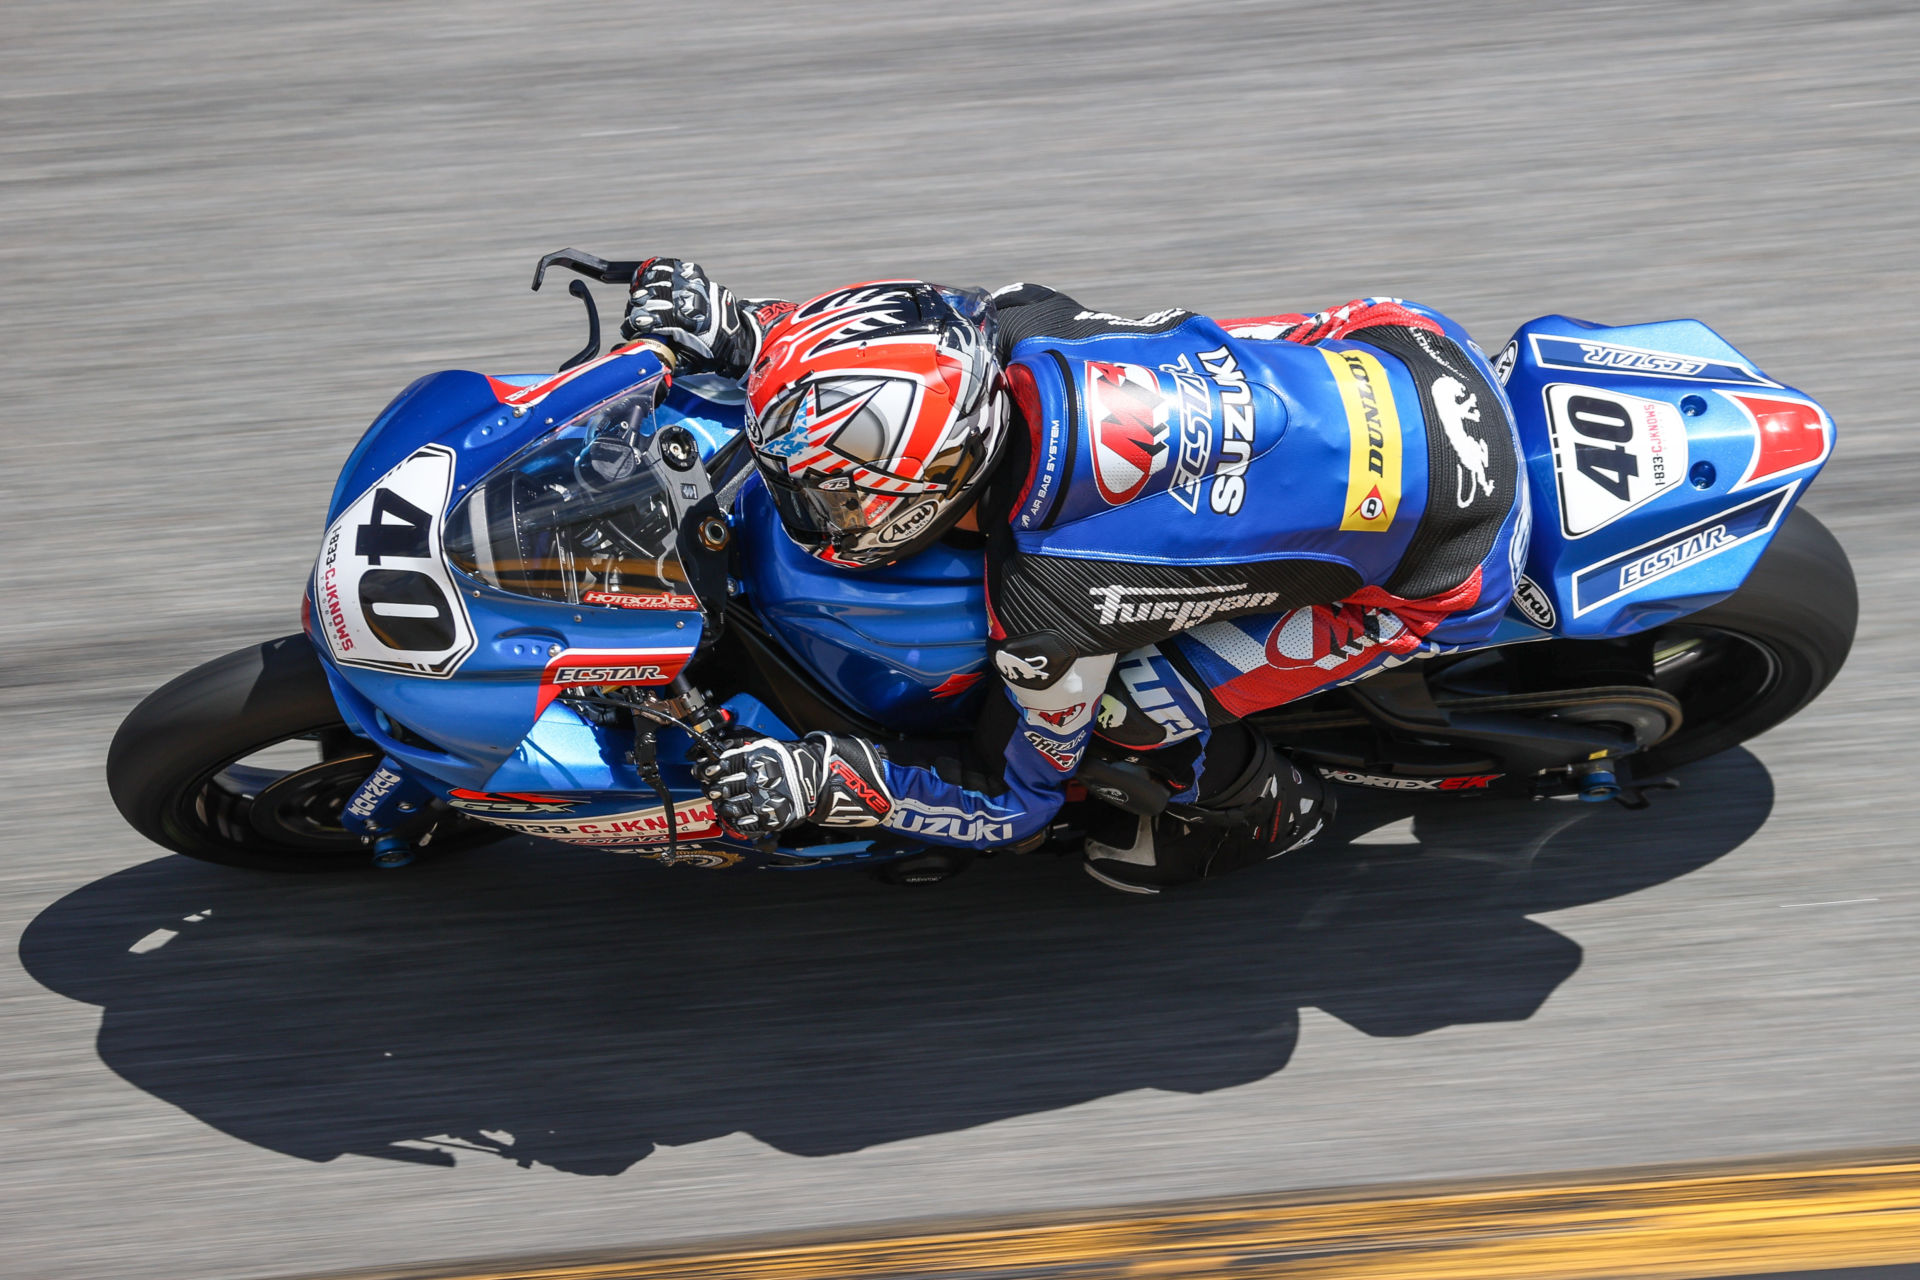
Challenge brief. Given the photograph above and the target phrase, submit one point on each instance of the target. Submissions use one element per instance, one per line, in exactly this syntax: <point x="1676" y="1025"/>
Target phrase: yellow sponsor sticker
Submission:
<point x="1373" y="441"/>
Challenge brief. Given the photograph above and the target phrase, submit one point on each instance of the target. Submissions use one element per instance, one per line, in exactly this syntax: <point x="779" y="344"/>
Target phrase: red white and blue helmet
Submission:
<point x="875" y="413"/>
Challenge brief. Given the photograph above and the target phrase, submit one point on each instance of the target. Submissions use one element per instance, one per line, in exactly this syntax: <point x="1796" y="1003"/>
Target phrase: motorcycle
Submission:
<point x="592" y="555"/>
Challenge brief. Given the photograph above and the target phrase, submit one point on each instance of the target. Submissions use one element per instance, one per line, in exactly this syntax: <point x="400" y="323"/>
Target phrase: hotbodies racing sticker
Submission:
<point x="385" y="597"/>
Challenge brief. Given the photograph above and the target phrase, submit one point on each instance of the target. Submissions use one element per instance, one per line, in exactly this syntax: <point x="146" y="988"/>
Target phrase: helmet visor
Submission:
<point x="863" y="516"/>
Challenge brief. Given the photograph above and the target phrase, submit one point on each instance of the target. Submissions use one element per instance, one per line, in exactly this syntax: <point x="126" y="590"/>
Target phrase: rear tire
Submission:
<point x="174" y="773"/>
<point x="1783" y="636"/>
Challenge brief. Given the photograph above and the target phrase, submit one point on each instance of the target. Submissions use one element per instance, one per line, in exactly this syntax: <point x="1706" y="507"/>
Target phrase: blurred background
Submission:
<point x="229" y="234"/>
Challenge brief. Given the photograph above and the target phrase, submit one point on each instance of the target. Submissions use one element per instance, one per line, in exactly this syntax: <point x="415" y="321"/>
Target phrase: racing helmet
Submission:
<point x="875" y="412"/>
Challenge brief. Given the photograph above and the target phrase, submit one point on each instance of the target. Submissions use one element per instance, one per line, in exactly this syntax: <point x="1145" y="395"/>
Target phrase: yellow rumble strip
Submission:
<point x="1731" y="1221"/>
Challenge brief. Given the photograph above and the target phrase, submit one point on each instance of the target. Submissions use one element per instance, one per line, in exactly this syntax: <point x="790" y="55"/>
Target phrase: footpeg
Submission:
<point x="1632" y="796"/>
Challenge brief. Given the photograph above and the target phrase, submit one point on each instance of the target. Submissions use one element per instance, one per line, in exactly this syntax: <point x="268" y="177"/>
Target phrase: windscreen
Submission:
<point x="578" y="516"/>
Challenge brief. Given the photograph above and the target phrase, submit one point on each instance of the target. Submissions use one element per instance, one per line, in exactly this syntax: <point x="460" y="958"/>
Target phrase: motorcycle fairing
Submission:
<point x="1661" y="461"/>
<point x="570" y="782"/>
<point x="505" y="749"/>
<point x="479" y="720"/>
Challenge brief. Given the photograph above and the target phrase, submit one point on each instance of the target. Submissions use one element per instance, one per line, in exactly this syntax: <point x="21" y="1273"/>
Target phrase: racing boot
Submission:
<point x="1268" y="807"/>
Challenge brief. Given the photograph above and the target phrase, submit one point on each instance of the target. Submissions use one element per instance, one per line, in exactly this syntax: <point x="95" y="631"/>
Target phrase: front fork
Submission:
<point x="393" y="813"/>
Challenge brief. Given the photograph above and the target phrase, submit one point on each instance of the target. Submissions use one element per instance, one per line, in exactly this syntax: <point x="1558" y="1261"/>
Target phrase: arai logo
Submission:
<point x="908" y="524"/>
<point x="1533" y="603"/>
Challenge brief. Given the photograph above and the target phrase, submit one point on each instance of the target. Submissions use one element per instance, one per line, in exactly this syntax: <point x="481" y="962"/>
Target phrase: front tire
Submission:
<point x="202" y="765"/>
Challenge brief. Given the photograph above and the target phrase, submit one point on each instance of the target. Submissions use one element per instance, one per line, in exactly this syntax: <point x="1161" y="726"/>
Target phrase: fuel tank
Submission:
<point x="906" y="645"/>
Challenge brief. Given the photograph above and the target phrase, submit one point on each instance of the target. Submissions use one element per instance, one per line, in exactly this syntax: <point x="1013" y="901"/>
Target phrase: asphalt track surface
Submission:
<point x="228" y="235"/>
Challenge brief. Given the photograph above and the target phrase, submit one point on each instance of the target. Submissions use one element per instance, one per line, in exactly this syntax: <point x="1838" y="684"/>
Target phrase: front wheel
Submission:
<point x="244" y="761"/>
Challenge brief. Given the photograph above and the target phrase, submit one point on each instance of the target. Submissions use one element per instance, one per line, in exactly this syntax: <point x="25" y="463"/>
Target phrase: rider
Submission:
<point x="1185" y="521"/>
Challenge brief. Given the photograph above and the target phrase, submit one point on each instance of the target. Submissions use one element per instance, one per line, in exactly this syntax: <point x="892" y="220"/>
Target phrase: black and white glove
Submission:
<point x="762" y="786"/>
<point x="706" y="326"/>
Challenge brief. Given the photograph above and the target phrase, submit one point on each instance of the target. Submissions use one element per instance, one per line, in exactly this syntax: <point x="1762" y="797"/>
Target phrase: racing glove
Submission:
<point x="762" y="786"/>
<point x="706" y="326"/>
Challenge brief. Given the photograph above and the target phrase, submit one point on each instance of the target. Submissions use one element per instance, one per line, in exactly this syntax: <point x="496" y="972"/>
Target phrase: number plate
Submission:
<point x="1611" y="453"/>
<point x="381" y="587"/>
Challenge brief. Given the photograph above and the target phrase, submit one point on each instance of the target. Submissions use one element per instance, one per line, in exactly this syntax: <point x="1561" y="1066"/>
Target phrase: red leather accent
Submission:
<point x="1359" y="314"/>
<point x="1334" y="633"/>
<point x="1026" y="403"/>
<point x="1424" y="614"/>
<point x="1289" y="317"/>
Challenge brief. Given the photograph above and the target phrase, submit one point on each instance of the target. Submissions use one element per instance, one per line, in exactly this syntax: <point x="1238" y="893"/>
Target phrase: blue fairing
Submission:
<point x="1661" y="462"/>
<point x="484" y="721"/>
<point x="906" y="644"/>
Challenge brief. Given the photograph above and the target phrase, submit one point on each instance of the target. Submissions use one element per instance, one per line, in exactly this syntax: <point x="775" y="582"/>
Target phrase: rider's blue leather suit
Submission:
<point x="1201" y="518"/>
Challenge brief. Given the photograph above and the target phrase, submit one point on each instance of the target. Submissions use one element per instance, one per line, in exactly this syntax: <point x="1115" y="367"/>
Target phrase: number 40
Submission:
<point x="405" y="608"/>
<point x="1606" y="466"/>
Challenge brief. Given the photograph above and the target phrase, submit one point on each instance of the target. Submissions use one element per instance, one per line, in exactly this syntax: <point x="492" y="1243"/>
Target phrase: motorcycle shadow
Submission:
<point x="575" y="1009"/>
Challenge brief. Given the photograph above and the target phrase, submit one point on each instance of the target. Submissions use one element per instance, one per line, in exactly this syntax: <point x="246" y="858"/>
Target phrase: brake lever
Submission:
<point x="587" y="265"/>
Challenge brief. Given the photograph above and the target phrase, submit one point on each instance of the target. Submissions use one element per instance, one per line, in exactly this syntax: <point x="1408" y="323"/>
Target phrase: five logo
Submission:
<point x="875" y="801"/>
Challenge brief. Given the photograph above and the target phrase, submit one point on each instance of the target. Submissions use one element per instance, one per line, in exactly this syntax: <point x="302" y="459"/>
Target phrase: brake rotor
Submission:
<point x="302" y="808"/>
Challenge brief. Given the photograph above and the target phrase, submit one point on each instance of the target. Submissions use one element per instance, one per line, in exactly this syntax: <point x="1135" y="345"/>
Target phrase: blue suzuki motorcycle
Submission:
<point x="538" y="596"/>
